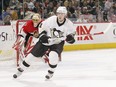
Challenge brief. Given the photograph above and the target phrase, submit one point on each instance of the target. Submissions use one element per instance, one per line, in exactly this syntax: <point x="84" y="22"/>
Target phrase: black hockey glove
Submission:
<point x="70" y="39"/>
<point x="43" y="38"/>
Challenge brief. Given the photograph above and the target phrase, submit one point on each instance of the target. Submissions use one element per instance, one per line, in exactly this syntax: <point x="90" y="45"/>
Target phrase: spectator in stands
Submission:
<point x="7" y="20"/>
<point x="105" y="16"/>
<point x="50" y="7"/>
<point x="31" y="5"/>
<point x="94" y="13"/>
<point x="39" y="1"/>
<point x="108" y="5"/>
<point x="22" y="1"/>
<point x="84" y="10"/>
<point x="6" y="4"/>
<point x="14" y="14"/>
<point x="13" y="3"/>
<point x="114" y="8"/>
<point x="78" y="12"/>
<point x="37" y="8"/>
<point x="66" y="3"/>
<point x="23" y="12"/>
<point x="5" y="14"/>
<point x="0" y="8"/>
<point x="44" y="7"/>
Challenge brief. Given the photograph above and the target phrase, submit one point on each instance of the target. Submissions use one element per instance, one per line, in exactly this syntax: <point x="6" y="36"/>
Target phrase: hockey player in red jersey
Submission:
<point x="24" y="43"/>
<point x="30" y="28"/>
<point x="52" y="35"/>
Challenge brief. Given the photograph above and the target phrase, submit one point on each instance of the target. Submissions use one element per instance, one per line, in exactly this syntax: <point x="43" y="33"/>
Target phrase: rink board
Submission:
<point x="89" y="46"/>
<point x="88" y="36"/>
<point x="93" y="36"/>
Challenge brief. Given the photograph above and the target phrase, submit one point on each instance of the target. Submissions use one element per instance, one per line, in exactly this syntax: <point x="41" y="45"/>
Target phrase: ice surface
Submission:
<point x="87" y="68"/>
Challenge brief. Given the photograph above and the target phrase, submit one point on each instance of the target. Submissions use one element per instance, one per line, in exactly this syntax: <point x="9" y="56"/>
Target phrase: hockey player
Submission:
<point x="30" y="29"/>
<point x="53" y="33"/>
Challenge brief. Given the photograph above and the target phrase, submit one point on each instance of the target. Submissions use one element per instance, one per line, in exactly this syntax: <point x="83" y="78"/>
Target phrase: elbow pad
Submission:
<point x="70" y="39"/>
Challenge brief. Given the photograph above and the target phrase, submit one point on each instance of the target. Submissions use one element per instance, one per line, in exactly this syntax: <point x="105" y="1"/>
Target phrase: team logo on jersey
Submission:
<point x="56" y="33"/>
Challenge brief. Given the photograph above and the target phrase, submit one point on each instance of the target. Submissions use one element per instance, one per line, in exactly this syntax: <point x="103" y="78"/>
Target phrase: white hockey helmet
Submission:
<point x="62" y="9"/>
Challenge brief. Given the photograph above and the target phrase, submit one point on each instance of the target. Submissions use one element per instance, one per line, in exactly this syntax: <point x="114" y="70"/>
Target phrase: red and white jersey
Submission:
<point x="29" y="28"/>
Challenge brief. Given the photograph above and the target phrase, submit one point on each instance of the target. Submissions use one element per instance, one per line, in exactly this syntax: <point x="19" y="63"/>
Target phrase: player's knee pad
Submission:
<point x="27" y="61"/>
<point x="53" y="66"/>
<point x="53" y="58"/>
<point x="25" y="64"/>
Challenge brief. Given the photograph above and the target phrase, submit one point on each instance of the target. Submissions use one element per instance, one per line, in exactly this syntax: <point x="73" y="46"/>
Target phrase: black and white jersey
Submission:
<point x="55" y="30"/>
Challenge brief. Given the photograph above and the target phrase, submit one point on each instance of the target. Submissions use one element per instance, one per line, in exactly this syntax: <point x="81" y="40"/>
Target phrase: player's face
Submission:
<point x="61" y="17"/>
<point x="36" y="21"/>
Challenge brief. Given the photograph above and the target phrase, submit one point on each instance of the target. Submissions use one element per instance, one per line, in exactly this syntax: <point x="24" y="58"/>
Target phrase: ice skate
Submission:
<point x="19" y="72"/>
<point x="49" y="75"/>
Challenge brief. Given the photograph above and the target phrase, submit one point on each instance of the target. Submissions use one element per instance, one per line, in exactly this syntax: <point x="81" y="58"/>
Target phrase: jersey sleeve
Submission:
<point x="71" y="28"/>
<point x="44" y="26"/>
<point x="26" y="26"/>
<point x="70" y="37"/>
<point x="24" y="29"/>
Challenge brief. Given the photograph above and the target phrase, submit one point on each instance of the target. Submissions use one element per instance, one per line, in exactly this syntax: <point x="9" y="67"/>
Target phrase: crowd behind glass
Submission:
<point x="78" y="10"/>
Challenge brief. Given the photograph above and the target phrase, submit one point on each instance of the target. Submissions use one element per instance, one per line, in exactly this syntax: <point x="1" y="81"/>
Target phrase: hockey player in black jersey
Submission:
<point x="52" y="35"/>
